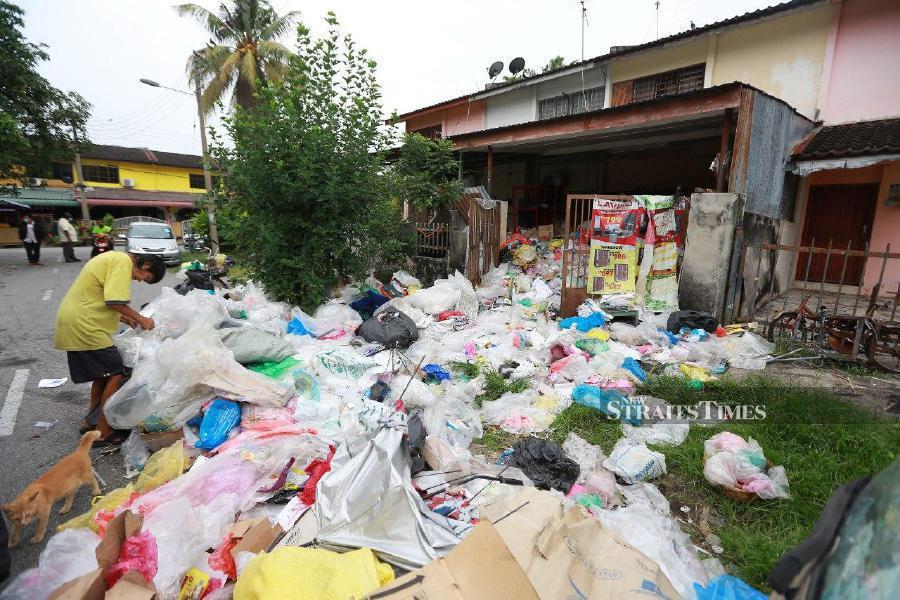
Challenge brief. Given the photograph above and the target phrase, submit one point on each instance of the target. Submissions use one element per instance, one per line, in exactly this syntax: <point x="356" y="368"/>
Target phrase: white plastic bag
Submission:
<point x="660" y="434"/>
<point x="453" y="421"/>
<point x="68" y="554"/>
<point x="587" y="455"/>
<point x="517" y="413"/>
<point x="734" y="463"/>
<point x="635" y="462"/>
<point x="434" y="300"/>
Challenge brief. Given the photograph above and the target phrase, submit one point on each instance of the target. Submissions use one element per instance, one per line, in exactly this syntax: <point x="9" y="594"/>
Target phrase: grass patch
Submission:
<point x="495" y="386"/>
<point x="821" y="441"/>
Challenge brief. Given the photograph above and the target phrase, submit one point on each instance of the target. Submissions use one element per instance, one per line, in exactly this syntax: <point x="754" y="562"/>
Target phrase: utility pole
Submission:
<point x="583" y="19"/>
<point x="79" y="183"/>
<point x="207" y="179"/>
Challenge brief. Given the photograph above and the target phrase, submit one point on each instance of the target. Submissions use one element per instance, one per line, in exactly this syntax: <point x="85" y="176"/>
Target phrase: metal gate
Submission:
<point x="484" y="240"/>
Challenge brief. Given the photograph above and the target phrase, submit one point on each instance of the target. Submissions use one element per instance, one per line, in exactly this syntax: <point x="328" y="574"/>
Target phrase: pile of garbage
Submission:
<point x="329" y="453"/>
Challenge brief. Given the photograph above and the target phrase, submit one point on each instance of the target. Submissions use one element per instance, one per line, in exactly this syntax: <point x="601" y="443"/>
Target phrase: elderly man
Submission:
<point x="67" y="237"/>
<point x="88" y="317"/>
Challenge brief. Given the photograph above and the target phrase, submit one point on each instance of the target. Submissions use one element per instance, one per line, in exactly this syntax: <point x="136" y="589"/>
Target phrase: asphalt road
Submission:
<point x="45" y="426"/>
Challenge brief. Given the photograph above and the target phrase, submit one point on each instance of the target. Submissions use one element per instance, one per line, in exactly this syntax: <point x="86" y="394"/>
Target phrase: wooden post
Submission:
<point x="723" y="151"/>
<point x="490" y="170"/>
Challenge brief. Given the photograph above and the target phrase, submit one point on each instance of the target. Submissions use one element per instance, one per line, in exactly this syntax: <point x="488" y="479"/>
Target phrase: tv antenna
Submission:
<point x="584" y="22"/>
<point x="494" y="70"/>
<point x="516" y="65"/>
<point x="657" y="19"/>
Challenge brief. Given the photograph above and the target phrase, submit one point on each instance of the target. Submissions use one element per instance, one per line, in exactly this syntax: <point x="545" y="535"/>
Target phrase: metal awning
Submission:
<point x="152" y="203"/>
<point x="13" y="204"/>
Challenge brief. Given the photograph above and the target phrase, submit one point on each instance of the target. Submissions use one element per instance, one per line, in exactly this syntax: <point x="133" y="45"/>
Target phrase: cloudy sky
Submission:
<point x="427" y="50"/>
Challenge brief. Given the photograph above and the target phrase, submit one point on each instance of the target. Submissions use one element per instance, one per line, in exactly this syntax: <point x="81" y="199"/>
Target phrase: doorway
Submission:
<point x="840" y="214"/>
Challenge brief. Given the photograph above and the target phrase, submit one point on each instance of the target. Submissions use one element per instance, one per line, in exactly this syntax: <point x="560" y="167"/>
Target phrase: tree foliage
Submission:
<point x="243" y="50"/>
<point x="38" y="122"/>
<point x="305" y="171"/>
<point x="426" y="173"/>
<point x="557" y="62"/>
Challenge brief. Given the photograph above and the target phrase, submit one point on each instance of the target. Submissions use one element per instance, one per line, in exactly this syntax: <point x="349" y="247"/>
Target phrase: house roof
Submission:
<point x="626" y="50"/>
<point x="143" y="156"/>
<point x="143" y="195"/>
<point x="864" y="138"/>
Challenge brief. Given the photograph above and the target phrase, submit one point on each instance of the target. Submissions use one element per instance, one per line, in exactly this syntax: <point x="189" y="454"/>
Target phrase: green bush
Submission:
<point x="305" y="170"/>
<point x="426" y="172"/>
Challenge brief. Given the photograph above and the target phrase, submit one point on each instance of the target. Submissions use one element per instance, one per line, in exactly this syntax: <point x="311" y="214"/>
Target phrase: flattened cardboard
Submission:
<point x="132" y="586"/>
<point x="159" y="440"/>
<point x="479" y="568"/>
<point x="86" y="587"/>
<point x="256" y="535"/>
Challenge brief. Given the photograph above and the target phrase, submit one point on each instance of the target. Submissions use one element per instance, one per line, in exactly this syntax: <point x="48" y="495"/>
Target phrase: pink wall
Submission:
<point x="863" y="82"/>
<point x="886" y="230"/>
<point x="454" y="121"/>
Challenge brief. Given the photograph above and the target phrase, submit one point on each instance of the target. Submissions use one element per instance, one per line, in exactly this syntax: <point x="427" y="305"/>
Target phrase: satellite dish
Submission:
<point x="495" y="69"/>
<point x="516" y="65"/>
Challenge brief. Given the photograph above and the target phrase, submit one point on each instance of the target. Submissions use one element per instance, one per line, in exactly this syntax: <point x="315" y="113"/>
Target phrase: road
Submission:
<point x="29" y="298"/>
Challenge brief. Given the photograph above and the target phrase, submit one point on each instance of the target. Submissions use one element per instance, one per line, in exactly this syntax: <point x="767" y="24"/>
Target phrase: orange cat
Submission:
<point x="63" y="480"/>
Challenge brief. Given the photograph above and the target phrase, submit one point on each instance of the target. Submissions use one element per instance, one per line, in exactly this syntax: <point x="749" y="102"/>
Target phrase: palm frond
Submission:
<point x="205" y="64"/>
<point x="216" y="26"/>
<point x="279" y="26"/>
<point x="224" y="76"/>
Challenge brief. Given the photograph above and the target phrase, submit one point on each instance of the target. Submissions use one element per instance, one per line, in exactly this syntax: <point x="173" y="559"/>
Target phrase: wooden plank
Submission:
<point x="623" y="93"/>
<point x="723" y="151"/>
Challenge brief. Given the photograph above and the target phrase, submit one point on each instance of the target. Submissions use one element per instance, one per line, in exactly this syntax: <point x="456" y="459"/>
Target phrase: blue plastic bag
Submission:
<point x="632" y="366"/>
<point x="435" y="373"/>
<point x="583" y="324"/>
<point x="609" y="402"/>
<point x="296" y="327"/>
<point x="220" y="417"/>
<point x="727" y="587"/>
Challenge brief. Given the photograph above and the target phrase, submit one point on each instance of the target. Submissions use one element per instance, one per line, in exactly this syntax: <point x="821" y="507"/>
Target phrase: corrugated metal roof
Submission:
<point x="143" y="156"/>
<point x="621" y="51"/>
<point x="864" y="138"/>
<point x="42" y="197"/>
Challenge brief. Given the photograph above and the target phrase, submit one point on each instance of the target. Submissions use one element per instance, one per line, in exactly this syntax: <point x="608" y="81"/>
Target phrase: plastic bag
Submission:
<point x="221" y="416"/>
<point x="524" y="255"/>
<point x="138" y="553"/>
<point x="107" y="502"/>
<point x="587" y="455"/>
<point x="68" y="554"/>
<point x="162" y="467"/>
<point x="275" y="369"/>
<point x="610" y="402"/>
<point x="134" y="452"/>
<point x="727" y="587"/>
<point x="312" y="573"/>
<point x="250" y="345"/>
<point x="635" y="462"/>
<point x="740" y="465"/>
<point x="453" y="421"/>
<point x="517" y="413"/>
<point x="573" y="368"/>
<point x="434" y="300"/>
<point x="345" y="363"/>
<point x="660" y="434"/>
<point x="545" y="463"/>
<point x="584" y="324"/>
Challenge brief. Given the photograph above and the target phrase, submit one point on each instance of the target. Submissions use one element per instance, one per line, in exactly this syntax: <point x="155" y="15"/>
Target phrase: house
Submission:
<point x="721" y="107"/>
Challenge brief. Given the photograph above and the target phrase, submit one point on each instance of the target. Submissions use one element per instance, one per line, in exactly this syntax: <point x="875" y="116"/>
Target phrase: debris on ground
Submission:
<point x="258" y="427"/>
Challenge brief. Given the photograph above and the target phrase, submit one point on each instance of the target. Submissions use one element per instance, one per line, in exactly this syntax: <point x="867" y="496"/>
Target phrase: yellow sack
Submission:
<point x="696" y="373"/>
<point x="598" y="333"/>
<point x="524" y="255"/>
<point x="308" y="573"/>
<point x="162" y="467"/>
<point x="108" y="502"/>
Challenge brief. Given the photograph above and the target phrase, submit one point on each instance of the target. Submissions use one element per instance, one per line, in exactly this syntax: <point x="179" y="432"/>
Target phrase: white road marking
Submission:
<point x="56" y="269"/>
<point x="47" y="295"/>
<point x="13" y="401"/>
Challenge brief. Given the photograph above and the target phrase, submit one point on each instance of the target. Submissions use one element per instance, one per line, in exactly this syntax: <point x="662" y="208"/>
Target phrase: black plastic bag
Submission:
<point x="692" y="319"/>
<point x="545" y="463"/>
<point x="390" y="328"/>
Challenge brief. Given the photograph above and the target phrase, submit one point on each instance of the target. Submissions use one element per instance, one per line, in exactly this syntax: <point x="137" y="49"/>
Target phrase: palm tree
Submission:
<point x="243" y="49"/>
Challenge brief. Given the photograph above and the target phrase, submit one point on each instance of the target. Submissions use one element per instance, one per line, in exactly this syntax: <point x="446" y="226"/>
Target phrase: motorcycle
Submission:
<point x="101" y="244"/>
<point x="212" y="277"/>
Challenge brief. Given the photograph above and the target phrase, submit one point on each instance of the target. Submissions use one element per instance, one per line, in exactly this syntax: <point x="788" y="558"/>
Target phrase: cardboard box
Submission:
<point x="159" y="440"/>
<point x="479" y="568"/>
<point x="545" y="232"/>
<point x="256" y="535"/>
<point x="92" y="586"/>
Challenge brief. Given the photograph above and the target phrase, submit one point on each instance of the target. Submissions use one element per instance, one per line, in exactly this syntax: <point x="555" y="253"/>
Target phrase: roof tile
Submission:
<point x="863" y="138"/>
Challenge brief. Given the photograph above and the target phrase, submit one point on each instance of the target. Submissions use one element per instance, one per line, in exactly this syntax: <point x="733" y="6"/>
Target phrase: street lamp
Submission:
<point x="207" y="180"/>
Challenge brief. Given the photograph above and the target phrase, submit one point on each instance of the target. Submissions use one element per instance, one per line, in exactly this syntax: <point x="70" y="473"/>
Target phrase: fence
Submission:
<point x="822" y="299"/>
<point x="432" y="239"/>
<point x="484" y="240"/>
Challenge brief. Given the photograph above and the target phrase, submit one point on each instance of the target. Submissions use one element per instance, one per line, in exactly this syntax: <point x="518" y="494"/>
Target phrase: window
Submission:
<point x="571" y="104"/>
<point x="198" y="183"/>
<point x="100" y="174"/>
<point x="433" y="133"/>
<point x="62" y="171"/>
<point x="669" y="83"/>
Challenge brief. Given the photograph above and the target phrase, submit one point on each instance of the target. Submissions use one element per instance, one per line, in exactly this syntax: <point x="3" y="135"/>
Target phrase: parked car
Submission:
<point x="154" y="238"/>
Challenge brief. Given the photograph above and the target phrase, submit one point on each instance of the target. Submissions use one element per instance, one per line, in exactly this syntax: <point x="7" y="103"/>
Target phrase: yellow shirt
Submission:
<point x="84" y="321"/>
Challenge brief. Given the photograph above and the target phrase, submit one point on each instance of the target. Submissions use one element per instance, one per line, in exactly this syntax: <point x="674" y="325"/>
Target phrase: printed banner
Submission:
<point x="616" y="221"/>
<point x="612" y="268"/>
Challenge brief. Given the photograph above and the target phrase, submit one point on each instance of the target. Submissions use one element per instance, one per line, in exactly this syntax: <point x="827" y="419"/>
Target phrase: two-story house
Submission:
<point x="744" y="105"/>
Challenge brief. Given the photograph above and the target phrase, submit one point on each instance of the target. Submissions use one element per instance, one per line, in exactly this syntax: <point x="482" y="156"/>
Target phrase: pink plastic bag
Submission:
<point x="138" y="553"/>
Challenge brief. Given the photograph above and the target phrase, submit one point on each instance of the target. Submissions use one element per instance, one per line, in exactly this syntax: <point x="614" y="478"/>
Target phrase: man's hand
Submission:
<point x="128" y="321"/>
<point x="147" y="323"/>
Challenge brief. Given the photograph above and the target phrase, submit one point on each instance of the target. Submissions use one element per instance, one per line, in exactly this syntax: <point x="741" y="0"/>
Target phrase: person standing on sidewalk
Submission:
<point x="67" y="237"/>
<point x="32" y="234"/>
<point x="89" y="315"/>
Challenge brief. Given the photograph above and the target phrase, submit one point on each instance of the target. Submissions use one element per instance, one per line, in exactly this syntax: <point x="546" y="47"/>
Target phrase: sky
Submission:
<point x="427" y="50"/>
